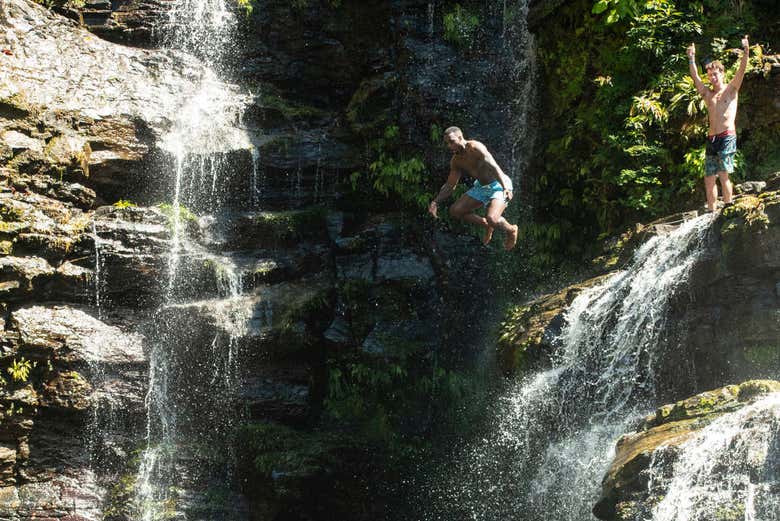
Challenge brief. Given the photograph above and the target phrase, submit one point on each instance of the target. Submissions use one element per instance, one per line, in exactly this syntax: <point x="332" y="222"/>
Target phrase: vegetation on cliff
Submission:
<point x="623" y="132"/>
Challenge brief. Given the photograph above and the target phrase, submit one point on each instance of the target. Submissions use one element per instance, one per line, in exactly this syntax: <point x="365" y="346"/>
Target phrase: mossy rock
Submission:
<point x="625" y="484"/>
<point x="265" y="229"/>
<point x="528" y="331"/>
<point x="371" y="108"/>
<point x="290" y="461"/>
<point x="277" y="108"/>
<point x="15" y="106"/>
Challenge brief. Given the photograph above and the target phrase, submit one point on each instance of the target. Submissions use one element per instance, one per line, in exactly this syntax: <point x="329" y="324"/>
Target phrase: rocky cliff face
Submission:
<point x="337" y="311"/>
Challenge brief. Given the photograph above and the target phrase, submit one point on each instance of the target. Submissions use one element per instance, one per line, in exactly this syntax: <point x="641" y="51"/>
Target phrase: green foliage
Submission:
<point x="246" y="5"/>
<point x="290" y="226"/>
<point x="615" y="10"/>
<point x="20" y="369"/>
<point x="396" y="175"/>
<point x="280" y="449"/>
<point x="377" y="396"/>
<point x="460" y="26"/>
<point x="124" y="203"/>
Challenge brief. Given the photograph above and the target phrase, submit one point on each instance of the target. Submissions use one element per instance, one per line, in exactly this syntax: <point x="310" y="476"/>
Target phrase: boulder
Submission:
<point x="642" y="467"/>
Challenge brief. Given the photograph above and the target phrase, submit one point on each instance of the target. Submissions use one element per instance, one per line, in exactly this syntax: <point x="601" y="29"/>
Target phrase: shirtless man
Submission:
<point x="721" y="102"/>
<point x="492" y="188"/>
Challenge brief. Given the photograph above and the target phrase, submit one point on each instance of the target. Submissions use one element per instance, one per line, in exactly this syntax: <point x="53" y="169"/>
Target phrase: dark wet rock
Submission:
<point x="127" y="21"/>
<point x="282" y="396"/>
<point x="404" y="265"/>
<point x="75" y="362"/>
<point x="268" y="229"/>
<point x="773" y="182"/>
<point x="338" y="332"/>
<point x="529" y="333"/>
<point x="399" y="340"/>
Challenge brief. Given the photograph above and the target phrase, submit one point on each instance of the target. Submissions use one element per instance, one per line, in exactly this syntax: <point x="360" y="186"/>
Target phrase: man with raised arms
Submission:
<point x="721" y="102"/>
<point x="492" y="188"/>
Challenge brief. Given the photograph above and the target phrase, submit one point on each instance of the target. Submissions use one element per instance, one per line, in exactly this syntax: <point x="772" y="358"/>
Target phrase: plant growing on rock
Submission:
<point x="123" y="203"/>
<point x="395" y="173"/>
<point x="20" y="369"/>
<point x="460" y="26"/>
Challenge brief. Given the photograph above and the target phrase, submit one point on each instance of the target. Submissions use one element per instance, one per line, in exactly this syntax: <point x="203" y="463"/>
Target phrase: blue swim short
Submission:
<point x="719" y="156"/>
<point x="485" y="193"/>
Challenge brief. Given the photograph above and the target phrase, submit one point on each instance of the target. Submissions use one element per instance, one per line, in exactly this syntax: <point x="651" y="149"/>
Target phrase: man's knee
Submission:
<point x="493" y="220"/>
<point x="456" y="212"/>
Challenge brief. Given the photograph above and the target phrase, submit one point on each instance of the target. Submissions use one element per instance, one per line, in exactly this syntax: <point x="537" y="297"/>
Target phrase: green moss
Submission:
<point x="11" y="228"/>
<point x="749" y="390"/>
<point x="119" y="497"/>
<point x="763" y="355"/>
<point x="185" y="214"/>
<point x="6" y="247"/>
<point x="732" y="512"/>
<point x="460" y="26"/>
<point x="291" y="226"/>
<point x="289" y="110"/>
<point x="124" y="203"/>
<point x="370" y="108"/>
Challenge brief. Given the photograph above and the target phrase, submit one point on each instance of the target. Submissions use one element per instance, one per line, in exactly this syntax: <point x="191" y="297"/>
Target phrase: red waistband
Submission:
<point x="722" y="134"/>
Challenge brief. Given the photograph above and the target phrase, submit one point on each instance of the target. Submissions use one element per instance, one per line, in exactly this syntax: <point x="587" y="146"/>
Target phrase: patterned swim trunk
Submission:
<point x="485" y="193"/>
<point x="719" y="156"/>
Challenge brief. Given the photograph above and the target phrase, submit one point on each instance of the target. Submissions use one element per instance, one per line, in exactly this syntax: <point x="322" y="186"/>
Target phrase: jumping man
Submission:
<point x="492" y="188"/>
<point x="722" y="110"/>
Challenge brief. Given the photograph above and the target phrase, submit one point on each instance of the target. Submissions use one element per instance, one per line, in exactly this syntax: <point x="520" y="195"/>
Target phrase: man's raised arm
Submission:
<point x="694" y="71"/>
<point x="446" y="190"/>
<point x="740" y="75"/>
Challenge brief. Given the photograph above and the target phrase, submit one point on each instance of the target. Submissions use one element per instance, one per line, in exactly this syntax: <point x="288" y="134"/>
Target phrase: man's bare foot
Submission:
<point x="488" y="235"/>
<point x="511" y="238"/>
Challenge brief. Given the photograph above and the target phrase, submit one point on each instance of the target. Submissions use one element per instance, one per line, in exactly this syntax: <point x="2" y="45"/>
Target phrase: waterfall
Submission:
<point x="555" y="432"/>
<point x="192" y="380"/>
<point x="98" y="268"/>
<point x="728" y="470"/>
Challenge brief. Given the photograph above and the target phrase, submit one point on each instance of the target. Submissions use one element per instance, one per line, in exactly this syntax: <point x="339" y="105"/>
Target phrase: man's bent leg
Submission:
<point x="711" y="189"/>
<point x="496" y="220"/>
<point x="463" y="209"/>
<point x="725" y="186"/>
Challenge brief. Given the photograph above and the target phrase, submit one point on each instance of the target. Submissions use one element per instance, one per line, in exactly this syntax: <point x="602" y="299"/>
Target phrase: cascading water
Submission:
<point x="730" y="469"/>
<point x="192" y="380"/>
<point x="555" y="432"/>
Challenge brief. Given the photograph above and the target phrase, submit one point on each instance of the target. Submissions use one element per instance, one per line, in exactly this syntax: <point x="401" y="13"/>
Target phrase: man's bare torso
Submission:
<point x="722" y="110"/>
<point x="471" y="161"/>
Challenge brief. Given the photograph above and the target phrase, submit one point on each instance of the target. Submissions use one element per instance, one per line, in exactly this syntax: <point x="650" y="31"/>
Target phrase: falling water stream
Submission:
<point x="555" y="432"/>
<point x="185" y="435"/>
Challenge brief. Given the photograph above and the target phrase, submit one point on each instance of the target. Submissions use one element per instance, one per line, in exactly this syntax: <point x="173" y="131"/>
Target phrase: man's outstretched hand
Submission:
<point x="691" y="51"/>
<point x="433" y="209"/>
<point x="745" y="43"/>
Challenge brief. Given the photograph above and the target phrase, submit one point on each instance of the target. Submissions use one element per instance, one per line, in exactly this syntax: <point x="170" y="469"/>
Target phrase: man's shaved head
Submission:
<point x="453" y="130"/>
